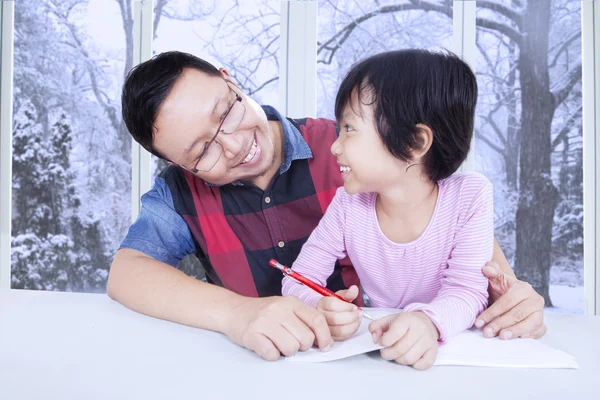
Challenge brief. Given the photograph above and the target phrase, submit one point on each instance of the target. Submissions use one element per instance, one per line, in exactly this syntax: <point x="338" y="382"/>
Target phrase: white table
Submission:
<point x="86" y="346"/>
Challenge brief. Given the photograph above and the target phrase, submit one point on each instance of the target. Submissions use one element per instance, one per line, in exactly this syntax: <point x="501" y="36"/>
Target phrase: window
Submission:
<point x="242" y="37"/>
<point x="71" y="178"/>
<point x="529" y="141"/>
<point x="350" y="30"/>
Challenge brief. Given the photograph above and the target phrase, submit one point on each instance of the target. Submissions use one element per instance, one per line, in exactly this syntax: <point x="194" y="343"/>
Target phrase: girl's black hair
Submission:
<point x="414" y="86"/>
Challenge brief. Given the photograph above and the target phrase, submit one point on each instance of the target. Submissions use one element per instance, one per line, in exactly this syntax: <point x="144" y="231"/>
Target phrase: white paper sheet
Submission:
<point x="468" y="348"/>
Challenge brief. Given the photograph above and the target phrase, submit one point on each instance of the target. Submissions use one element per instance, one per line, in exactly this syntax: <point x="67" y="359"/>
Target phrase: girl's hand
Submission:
<point x="343" y="318"/>
<point x="409" y="338"/>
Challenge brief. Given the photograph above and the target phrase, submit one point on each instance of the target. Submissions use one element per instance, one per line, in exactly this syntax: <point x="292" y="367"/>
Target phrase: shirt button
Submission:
<point x="267" y="200"/>
<point x="280" y="244"/>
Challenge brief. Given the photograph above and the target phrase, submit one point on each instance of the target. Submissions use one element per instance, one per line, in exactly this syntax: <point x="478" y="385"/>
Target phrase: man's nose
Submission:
<point x="233" y="144"/>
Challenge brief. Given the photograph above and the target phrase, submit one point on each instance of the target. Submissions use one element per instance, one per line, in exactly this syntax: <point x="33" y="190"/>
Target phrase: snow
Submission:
<point x="566" y="300"/>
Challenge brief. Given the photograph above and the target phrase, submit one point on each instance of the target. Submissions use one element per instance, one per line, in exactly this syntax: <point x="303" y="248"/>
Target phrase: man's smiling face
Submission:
<point x="189" y="117"/>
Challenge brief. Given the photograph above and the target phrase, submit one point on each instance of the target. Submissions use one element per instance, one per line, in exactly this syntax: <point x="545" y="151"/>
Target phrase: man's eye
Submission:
<point x="202" y="153"/>
<point x="222" y="117"/>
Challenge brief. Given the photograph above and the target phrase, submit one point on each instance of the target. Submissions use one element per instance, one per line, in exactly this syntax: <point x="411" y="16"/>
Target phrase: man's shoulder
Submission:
<point x="180" y="188"/>
<point x="319" y="133"/>
<point x="314" y="125"/>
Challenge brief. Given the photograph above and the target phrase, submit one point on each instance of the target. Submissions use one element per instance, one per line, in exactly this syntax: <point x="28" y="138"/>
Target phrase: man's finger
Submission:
<point x="538" y="333"/>
<point x="261" y="345"/>
<point x="315" y="320"/>
<point x="524" y="328"/>
<point x="287" y="344"/>
<point x="512" y="317"/>
<point x="491" y="270"/>
<point x="507" y="301"/>
<point x="300" y="331"/>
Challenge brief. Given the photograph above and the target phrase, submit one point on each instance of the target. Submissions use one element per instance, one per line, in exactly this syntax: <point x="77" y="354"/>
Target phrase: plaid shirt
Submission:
<point x="236" y="229"/>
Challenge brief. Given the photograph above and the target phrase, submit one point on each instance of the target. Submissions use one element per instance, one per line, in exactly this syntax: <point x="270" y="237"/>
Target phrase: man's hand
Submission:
<point x="517" y="310"/>
<point x="409" y="338"/>
<point x="273" y="325"/>
<point x="342" y="318"/>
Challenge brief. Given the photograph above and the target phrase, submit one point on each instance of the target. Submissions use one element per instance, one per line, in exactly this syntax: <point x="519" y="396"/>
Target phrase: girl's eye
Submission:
<point x="348" y="128"/>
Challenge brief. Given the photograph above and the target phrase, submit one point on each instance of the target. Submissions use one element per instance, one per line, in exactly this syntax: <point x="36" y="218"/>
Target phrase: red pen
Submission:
<point x="307" y="282"/>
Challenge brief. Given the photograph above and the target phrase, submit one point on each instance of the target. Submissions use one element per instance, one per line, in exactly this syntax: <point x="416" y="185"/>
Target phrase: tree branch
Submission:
<point x="573" y="77"/>
<point x="566" y="128"/>
<point x="563" y="46"/>
<point x="491" y="145"/>
<point x="251" y="92"/>
<point x="509" y="13"/>
<point x="506" y="30"/>
<point x="337" y="40"/>
<point x="345" y="32"/>
<point x="495" y="127"/>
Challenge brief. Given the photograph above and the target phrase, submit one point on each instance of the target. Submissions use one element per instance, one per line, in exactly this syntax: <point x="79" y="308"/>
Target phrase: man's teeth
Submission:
<point x="251" y="153"/>
<point x="345" y="169"/>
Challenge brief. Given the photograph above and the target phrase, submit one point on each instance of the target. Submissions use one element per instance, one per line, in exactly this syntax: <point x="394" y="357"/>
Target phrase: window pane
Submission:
<point x="350" y="30"/>
<point x="529" y="141"/>
<point x="242" y="37"/>
<point x="71" y="154"/>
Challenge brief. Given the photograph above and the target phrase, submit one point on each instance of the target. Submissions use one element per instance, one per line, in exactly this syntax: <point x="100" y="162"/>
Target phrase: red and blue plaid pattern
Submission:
<point x="238" y="229"/>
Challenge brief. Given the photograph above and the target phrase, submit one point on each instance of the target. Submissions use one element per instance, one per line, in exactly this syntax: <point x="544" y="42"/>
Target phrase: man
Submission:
<point x="245" y="185"/>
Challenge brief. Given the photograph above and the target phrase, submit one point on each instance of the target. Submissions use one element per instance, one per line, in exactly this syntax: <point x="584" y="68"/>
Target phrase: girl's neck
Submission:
<point x="401" y="201"/>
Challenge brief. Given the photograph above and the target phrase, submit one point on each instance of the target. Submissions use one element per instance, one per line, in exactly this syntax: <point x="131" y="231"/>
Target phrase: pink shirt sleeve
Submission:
<point x="463" y="294"/>
<point x="317" y="258"/>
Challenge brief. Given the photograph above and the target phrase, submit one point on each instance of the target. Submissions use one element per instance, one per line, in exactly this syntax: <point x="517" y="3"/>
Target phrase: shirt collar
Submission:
<point x="294" y="145"/>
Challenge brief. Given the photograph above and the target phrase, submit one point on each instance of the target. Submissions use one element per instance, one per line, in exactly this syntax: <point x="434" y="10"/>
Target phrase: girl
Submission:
<point x="417" y="233"/>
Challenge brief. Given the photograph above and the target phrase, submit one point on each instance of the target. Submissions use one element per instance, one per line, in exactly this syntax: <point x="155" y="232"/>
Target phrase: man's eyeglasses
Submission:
<point x="212" y="149"/>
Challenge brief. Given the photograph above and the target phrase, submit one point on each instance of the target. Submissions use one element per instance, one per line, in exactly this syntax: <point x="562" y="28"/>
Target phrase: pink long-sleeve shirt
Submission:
<point x="439" y="273"/>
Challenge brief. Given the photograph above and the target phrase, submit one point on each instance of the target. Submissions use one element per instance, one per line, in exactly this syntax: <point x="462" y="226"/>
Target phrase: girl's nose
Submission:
<point x="336" y="148"/>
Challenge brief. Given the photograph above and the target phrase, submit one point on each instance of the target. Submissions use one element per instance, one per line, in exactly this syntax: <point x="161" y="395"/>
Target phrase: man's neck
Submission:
<point x="276" y="134"/>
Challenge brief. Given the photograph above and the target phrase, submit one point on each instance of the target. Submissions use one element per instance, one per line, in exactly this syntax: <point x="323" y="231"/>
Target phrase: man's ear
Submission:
<point x="228" y="77"/>
<point x="225" y="74"/>
<point x="425" y="136"/>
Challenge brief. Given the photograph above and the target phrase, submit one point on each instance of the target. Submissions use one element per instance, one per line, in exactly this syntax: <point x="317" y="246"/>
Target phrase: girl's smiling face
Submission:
<point x="365" y="163"/>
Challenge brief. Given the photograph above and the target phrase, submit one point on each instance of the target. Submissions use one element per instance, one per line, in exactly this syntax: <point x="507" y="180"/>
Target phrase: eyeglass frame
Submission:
<point x="238" y="98"/>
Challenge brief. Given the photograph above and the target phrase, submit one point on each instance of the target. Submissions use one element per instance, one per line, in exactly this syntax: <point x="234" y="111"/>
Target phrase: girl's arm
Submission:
<point x="463" y="294"/>
<point x="320" y="252"/>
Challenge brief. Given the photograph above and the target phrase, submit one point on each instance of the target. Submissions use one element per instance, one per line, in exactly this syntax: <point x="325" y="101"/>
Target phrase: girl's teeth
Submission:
<point x="345" y="169"/>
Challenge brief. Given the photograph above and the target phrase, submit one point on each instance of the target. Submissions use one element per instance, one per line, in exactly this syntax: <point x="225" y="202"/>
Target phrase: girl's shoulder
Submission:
<point x="471" y="181"/>
<point x="461" y="191"/>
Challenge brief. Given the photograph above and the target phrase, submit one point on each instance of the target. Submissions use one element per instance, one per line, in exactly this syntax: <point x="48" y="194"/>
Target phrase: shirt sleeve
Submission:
<point x="463" y="294"/>
<point x="159" y="230"/>
<point x="317" y="258"/>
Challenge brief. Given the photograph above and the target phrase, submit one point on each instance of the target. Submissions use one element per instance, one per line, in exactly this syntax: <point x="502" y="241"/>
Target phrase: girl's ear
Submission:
<point x="425" y="138"/>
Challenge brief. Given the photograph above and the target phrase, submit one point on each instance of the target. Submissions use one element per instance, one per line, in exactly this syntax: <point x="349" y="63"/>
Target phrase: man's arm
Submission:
<point x="159" y="290"/>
